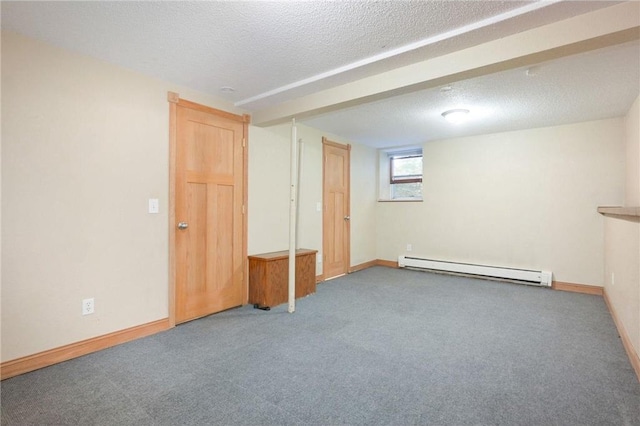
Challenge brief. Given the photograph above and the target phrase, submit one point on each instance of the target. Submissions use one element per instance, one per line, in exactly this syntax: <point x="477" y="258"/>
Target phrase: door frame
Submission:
<point x="347" y="256"/>
<point x="175" y="101"/>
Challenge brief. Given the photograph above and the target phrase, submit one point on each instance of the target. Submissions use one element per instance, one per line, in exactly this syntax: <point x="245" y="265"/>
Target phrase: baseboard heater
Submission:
<point x="525" y="276"/>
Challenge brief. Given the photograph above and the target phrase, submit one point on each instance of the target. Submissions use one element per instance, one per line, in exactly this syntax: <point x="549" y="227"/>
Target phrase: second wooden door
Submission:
<point x="336" y="216"/>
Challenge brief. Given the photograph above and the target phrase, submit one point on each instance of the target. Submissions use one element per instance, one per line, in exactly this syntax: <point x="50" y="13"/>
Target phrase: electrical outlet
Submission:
<point x="409" y="247"/>
<point x="613" y="278"/>
<point x="87" y="306"/>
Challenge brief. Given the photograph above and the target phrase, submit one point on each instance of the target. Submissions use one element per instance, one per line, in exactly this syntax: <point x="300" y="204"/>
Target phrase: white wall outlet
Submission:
<point x="409" y="247"/>
<point x="318" y="206"/>
<point x="87" y="306"/>
<point x="154" y="205"/>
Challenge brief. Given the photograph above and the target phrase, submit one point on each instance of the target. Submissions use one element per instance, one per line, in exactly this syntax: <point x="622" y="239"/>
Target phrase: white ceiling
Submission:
<point x="272" y="52"/>
<point x="589" y="86"/>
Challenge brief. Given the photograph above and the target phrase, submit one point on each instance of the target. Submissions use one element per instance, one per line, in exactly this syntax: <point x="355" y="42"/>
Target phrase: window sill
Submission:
<point x="400" y="200"/>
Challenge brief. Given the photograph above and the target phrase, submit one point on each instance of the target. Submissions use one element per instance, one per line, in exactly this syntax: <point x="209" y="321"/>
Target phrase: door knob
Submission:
<point x="347" y="218"/>
<point x="183" y="225"/>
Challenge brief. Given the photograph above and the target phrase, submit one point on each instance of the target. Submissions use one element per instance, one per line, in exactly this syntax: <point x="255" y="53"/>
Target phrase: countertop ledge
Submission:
<point x="619" y="211"/>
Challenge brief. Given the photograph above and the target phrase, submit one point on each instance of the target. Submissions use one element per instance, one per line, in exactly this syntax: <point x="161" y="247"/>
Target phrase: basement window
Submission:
<point x="403" y="180"/>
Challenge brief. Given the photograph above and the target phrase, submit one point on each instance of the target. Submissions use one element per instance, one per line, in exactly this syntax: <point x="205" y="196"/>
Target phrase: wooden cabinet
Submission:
<point x="269" y="276"/>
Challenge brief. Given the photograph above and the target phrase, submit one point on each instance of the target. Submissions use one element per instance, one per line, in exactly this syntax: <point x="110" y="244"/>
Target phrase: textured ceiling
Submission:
<point x="589" y="86"/>
<point x="266" y="50"/>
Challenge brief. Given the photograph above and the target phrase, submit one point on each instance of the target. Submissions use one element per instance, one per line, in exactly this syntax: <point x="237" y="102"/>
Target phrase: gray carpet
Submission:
<point x="377" y="347"/>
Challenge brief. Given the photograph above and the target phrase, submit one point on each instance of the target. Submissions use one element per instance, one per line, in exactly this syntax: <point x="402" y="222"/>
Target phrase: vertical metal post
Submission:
<point x="293" y="217"/>
<point x="298" y="180"/>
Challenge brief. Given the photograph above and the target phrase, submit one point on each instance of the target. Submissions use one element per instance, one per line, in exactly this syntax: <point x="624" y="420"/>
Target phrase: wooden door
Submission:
<point x="209" y="211"/>
<point x="336" y="212"/>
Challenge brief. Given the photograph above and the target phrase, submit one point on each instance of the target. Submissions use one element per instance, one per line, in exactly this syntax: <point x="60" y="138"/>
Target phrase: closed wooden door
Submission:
<point x="209" y="204"/>
<point x="336" y="216"/>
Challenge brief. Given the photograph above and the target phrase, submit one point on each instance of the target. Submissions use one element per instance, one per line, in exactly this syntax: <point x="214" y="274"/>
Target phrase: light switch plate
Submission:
<point x="154" y="205"/>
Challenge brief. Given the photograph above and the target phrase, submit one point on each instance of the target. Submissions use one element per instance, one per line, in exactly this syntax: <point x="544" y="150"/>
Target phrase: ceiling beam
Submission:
<point x="601" y="28"/>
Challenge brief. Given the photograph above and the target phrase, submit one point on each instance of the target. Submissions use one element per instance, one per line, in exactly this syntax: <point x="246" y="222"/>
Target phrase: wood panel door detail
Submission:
<point x="209" y="221"/>
<point x="336" y="213"/>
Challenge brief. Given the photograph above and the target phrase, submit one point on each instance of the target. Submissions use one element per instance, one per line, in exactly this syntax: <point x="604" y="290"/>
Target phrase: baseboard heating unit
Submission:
<point x="525" y="276"/>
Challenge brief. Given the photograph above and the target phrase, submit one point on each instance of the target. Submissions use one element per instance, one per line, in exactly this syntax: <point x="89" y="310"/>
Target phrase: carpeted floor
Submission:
<point x="377" y="347"/>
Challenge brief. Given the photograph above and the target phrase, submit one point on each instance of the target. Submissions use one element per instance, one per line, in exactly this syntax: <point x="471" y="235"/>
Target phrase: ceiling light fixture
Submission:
<point x="227" y="89"/>
<point x="455" y="116"/>
<point x="532" y="71"/>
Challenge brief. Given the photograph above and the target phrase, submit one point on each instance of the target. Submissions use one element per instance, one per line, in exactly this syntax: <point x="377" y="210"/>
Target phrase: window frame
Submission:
<point x="398" y="192"/>
<point x="393" y="180"/>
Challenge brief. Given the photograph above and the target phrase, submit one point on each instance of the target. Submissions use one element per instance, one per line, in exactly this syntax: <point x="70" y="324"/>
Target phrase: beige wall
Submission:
<point x="524" y="199"/>
<point x="84" y="145"/>
<point x="364" y="196"/>
<point x="0" y="211"/>
<point x="269" y="192"/>
<point x="632" y="137"/>
<point x="622" y="240"/>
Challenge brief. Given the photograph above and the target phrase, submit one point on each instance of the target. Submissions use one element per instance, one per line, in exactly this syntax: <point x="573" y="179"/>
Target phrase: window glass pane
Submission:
<point x="406" y="190"/>
<point x="407" y="167"/>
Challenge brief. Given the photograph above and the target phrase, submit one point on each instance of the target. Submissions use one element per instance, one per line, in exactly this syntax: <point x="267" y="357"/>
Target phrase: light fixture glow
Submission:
<point x="455" y="116"/>
<point x="532" y="71"/>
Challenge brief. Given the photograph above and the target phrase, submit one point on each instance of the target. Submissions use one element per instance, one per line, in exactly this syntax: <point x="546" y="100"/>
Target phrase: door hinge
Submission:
<point x="244" y="142"/>
<point x="243" y="209"/>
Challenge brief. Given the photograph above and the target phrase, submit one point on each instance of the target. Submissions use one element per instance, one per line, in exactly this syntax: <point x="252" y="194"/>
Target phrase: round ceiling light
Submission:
<point x="227" y="89"/>
<point x="532" y="71"/>
<point x="455" y="116"/>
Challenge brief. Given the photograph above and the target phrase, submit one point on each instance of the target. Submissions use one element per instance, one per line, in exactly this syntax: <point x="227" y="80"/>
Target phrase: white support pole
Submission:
<point x="292" y="218"/>
<point x="300" y="169"/>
